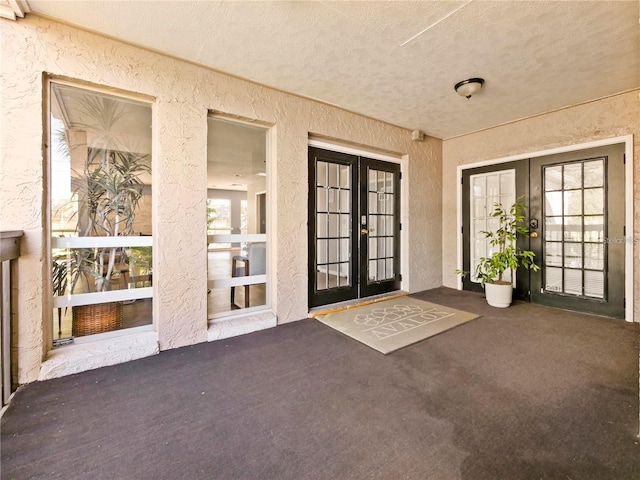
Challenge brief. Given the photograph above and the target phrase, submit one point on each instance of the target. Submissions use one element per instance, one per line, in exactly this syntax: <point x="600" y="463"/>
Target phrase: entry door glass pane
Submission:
<point x="487" y="189"/>
<point x="380" y="215"/>
<point x="333" y="214"/>
<point x="574" y="219"/>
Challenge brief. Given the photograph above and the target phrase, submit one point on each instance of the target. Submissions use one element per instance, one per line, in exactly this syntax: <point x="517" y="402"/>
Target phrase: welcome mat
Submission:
<point x="389" y="325"/>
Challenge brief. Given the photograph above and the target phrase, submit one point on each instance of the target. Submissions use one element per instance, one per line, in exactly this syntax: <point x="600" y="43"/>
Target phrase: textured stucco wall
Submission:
<point x="607" y="118"/>
<point x="182" y="95"/>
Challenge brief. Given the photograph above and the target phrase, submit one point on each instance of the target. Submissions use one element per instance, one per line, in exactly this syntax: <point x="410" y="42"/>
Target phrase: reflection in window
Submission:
<point x="237" y="208"/>
<point x="487" y="189"/>
<point x="100" y="166"/>
<point x="574" y="220"/>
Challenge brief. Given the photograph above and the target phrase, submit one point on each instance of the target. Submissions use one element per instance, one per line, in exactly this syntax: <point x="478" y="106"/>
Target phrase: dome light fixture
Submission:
<point x="466" y="88"/>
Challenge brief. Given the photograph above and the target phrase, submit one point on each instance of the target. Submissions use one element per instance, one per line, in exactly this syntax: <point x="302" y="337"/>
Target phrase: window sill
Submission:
<point x="88" y="355"/>
<point x="222" y="328"/>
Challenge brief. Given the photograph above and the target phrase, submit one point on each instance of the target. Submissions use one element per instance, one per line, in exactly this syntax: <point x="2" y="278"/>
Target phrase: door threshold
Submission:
<point x="358" y="302"/>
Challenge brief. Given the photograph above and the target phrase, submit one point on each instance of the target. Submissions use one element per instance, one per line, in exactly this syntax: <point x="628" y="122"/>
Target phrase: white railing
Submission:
<point x="237" y="281"/>
<point x="77" y="299"/>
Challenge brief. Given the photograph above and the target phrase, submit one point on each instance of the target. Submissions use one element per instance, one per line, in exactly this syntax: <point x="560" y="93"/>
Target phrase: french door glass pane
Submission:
<point x="333" y="225"/>
<point x="593" y="173"/>
<point x="594" y="284"/>
<point x="574" y="261"/>
<point x="488" y="190"/>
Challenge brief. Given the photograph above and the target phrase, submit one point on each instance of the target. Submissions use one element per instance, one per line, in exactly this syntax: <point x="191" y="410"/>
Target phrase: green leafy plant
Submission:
<point x="508" y="256"/>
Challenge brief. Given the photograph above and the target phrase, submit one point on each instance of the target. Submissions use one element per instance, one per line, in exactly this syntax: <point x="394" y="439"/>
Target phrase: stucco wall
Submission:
<point x="607" y="118"/>
<point x="183" y="94"/>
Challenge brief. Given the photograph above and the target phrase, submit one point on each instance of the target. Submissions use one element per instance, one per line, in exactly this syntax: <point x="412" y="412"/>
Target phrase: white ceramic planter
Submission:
<point x="498" y="295"/>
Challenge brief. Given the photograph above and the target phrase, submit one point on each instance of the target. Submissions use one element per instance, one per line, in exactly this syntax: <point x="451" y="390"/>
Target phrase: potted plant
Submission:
<point x="108" y="189"/>
<point x="508" y="256"/>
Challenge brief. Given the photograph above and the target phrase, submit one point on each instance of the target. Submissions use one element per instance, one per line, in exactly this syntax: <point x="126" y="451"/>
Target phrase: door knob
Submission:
<point x="364" y="231"/>
<point x="534" y="235"/>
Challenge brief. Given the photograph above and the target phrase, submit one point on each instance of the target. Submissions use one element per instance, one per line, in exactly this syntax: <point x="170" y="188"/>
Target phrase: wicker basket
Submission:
<point x="97" y="318"/>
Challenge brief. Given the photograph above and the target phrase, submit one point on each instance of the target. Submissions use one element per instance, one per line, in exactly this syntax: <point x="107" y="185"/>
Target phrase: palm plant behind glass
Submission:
<point x="109" y="189"/>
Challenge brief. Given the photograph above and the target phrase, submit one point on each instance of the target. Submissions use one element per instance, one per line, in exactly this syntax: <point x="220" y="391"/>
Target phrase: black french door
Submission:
<point x="354" y="227"/>
<point x="577" y="204"/>
<point x="576" y="221"/>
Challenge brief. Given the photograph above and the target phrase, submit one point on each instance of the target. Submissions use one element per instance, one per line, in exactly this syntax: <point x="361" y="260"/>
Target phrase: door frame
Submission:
<point x="403" y="161"/>
<point x="628" y="216"/>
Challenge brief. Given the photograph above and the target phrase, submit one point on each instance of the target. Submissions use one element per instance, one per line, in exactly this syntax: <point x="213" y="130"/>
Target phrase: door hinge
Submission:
<point x="400" y="175"/>
<point x="624" y="230"/>
<point x="400" y="276"/>
<point x="462" y="180"/>
<point x="624" y="302"/>
<point x="624" y="158"/>
<point x="462" y="230"/>
<point x="400" y="227"/>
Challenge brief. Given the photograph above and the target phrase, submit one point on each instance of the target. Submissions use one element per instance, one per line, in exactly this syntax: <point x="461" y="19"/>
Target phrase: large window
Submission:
<point x="237" y="209"/>
<point x="100" y="197"/>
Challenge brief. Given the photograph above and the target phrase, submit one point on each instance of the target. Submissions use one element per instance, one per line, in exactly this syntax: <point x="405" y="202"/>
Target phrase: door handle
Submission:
<point x="534" y="235"/>
<point x="364" y="231"/>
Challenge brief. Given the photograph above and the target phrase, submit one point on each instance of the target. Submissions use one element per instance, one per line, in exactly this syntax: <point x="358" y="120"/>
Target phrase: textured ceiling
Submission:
<point x="395" y="61"/>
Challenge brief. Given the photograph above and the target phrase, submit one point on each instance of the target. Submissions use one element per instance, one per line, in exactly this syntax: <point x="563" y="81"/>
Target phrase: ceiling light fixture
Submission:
<point x="466" y="88"/>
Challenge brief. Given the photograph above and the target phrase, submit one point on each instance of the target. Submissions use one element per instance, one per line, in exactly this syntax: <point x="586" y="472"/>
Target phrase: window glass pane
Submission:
<point x="594" y="256"/>
<point x="373" y="270"/>
<point x="322" y="226"/>
<point x="553" y="254"/>
<point x="374" y="229"/>
<point x="594" y="284"/>
<point x="322" y="281"/>
<point x="389" y="204"/>
<point x="334" y="175"/>
<point x="321" y="252"/>
<point x="573" y="255"/>
<point x="553" y="178"/>
<point x="479" y="186"/>
<point x="389" y="247"/>
<point x="345" y="176"/>
<point x="333" y="250"/>
<point x="334" y="220"/>
<point x="507" y="184"/>
<point x="552" y="204"/>
<point x="100" y="163"/>
<point x="373" y="202"/>
<point x="322" y="172"/>
<point x="493" y="185"/>
<point x="594" y="201"/>
<point x="573" y="229"/>
<point x="345" y="227"/>
<point x="345" y="250"/>
<point x="389" y="268"/>
<point x="389" y="230"/>
<point x="237" y="189"/>
<point x="594" y="229"/>
<point x="553" y="228"/>
<point x="388" y="182"/>
<point x="373" y="248"/>
<point x="345" y="201"/>
<point x="553" y="279"/>
<point x="573" y="202"/>
<point x="334" y="200"/>
<point x="573" y="176"/>
<point x="381" y="248"/>
<point x="594" y="173"/>
<point x="573" y="281"/>
<point x="322" y="199"/>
